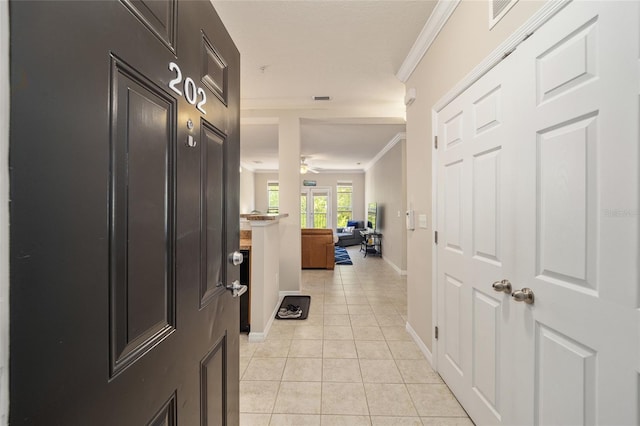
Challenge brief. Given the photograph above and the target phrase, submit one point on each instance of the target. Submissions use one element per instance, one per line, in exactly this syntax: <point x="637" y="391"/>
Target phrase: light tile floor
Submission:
<point x="351" y="362"/>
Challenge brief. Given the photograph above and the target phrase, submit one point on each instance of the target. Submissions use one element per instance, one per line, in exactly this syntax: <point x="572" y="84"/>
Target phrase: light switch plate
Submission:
<point x="422" y="221"/>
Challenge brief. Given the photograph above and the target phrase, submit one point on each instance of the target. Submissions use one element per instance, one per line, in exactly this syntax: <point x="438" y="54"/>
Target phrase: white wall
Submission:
<point x="386" y="185"/>
<point x="265" y="271"/>
<point x="322" y="179"/>
<point x="247" y="191"/>
<point x="4" y="212"/>
<point x="462" y="44"/>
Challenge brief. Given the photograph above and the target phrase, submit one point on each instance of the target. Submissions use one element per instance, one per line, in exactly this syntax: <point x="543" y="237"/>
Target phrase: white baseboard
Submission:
<point x="420" y="343"/>
<point x="287" y="293"/>
<point x="256" y="337"/>
<point x="395" y="267"/>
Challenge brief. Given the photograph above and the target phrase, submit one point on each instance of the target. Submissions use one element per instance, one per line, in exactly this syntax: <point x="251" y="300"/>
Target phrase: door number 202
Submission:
<point x="192" y="93"/>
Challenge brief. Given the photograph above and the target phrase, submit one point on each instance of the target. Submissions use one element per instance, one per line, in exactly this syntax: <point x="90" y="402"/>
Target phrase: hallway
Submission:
<point x="350" y="363"/>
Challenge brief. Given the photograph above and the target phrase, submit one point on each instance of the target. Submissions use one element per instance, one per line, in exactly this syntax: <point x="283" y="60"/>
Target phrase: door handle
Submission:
<point x="525" y="295"/>
<point x="504" y="286"/>
<point x="236" y="258"/>
<point x="236" y="288"/>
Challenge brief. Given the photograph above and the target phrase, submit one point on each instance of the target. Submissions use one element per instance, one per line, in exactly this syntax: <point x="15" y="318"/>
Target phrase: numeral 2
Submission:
<point x="191" y="91"/>
<point x="172" y="84"/>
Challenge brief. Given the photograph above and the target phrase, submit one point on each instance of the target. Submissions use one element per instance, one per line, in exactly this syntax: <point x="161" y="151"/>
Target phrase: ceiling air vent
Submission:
<point x="322" y="98"/>
<point x="499" y="6"/>
<point x="498" y="9"/>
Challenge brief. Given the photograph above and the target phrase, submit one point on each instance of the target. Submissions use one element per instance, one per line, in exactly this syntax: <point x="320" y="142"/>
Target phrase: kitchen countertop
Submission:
<point x="265" y="216"/>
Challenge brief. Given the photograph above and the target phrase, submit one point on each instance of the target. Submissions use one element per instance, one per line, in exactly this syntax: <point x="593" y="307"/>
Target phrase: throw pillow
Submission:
<point x="348" y="229"/>
<point x="353" y="223"/>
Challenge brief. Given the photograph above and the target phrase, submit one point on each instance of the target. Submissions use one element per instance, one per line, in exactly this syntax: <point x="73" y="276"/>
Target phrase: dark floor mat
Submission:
<point x="302" y="301"/>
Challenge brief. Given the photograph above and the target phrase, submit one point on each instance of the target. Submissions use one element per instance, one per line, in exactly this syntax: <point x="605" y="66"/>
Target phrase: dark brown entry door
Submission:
<point x="124" y="158"/>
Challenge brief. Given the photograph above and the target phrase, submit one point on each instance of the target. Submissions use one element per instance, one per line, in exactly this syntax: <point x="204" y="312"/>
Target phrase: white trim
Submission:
<point x="397" y="138"/>
<point x="393" y="265"/>
<point x="440" y="15"/>
<point x="434" y="246"/>
<point x="420" y="343"/>
<point x="332" y="171"/>
<point x="546" y="12"/>
<point x="282" y="294"/>
<point x="5" y="282"/>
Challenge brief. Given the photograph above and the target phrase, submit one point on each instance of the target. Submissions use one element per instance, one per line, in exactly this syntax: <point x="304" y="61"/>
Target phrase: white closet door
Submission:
<point x="476" y="249"/>
<point x="537" y="183"/>
<point x="577" y="218"/>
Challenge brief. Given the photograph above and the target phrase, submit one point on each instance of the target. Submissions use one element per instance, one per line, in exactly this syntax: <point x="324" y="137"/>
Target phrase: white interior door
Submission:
<point x="577" y="217"/>
<point x="538" y="184"/>
<point x="476" y="248"/>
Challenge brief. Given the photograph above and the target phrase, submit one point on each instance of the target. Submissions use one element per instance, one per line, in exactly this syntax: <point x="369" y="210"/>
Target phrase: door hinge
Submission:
<point x="436" y="332"/>
<point x="436" y="237"/>
<point x="435" y="142"/>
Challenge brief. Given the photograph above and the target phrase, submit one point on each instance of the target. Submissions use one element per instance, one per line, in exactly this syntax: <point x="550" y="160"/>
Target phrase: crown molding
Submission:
<point x="440" y="15"/>
<point x="397" y="138"/>
<point x="546" y="12"/>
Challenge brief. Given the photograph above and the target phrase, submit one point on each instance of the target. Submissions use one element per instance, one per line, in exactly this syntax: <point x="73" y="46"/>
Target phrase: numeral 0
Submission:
<point x="191" y="91"/>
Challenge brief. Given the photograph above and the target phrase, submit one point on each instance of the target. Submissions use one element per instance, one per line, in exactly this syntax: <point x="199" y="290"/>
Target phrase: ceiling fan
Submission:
<point x="304" y="167"/>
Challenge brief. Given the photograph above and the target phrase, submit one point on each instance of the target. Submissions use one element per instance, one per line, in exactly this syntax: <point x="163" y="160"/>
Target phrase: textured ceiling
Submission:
<point x="349" y="50"/>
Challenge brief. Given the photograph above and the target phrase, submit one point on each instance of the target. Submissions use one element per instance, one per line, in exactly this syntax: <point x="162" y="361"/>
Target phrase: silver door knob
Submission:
<point x="504" y="286"/>
<point x="236" y="258"/>
<point x="525" y="295"/>
<point x="236" y="288"/>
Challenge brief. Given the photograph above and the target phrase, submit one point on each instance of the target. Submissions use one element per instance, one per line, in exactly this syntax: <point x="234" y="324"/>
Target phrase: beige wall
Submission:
<point x="461" y="45"/>
<point x="260" y="189"/>
<point x="4" y="212"/>
<point x="322" y="179"/>
<point x="247" y="191"/>
<point x="385" y="184"/>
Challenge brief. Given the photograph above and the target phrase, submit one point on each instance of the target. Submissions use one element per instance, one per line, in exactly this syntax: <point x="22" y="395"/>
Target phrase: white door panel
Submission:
<point x="581" y="129"/>
<point x="542" y="158"/>
<point x="473" y="176"/>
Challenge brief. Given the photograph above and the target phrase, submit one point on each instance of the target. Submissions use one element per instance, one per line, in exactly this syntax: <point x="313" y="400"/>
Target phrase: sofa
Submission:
<point x="350" y="235"/>
<point x="318" y="249"/>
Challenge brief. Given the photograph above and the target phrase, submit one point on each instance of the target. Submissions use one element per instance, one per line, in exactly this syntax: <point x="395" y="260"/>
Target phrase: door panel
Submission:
<point x="476" y="246"/>
<point x="486" y="218"/>
<point x="486" y="349"/>
<point x="212" y="214"/>
<point x="142" y="205"/>
<point x="580" y="262"/>
<point x="565" y="383"/>
<point x="567" y="202"/>
<point x="116" y="213"/>
<point x="159" y="16"/>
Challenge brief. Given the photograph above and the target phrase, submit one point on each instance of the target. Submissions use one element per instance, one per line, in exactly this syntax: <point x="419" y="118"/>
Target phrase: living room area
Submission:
<point x="339" y="200"/>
